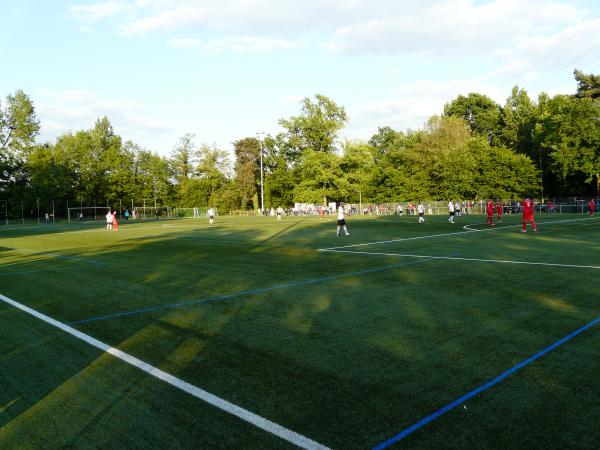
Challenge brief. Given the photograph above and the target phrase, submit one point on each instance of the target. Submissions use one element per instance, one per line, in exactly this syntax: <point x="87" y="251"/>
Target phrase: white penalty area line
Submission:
<point x="458" y="258"/>
<point x="519" y="225"/>
<point x="247" y="416"/>
<point x="466" y="229"/>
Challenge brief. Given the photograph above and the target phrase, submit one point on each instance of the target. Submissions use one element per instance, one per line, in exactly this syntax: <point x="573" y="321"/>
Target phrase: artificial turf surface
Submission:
<point x="347" y="349"/>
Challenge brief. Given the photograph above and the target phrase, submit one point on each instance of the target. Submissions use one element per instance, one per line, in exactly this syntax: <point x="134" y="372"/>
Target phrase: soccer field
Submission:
<point x="253" y="333"/>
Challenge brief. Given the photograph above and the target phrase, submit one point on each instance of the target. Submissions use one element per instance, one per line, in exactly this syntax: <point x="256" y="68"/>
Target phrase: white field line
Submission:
<point x="454" y="233"/>
<point x="457" y="258"/>
<point x="254" y="419"/>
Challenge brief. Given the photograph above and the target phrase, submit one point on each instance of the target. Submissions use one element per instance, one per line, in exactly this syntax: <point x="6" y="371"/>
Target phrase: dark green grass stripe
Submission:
<point x="59" y="256"/>
<point x="27" y="272"/>
<point x="243" y="293"/>
<point x="483" y="387"/>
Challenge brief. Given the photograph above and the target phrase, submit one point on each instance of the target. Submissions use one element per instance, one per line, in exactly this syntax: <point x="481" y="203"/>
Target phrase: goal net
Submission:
<point x="88" y="213"/>
<point x="193" y="213"/>
<point x="151" y="212"/>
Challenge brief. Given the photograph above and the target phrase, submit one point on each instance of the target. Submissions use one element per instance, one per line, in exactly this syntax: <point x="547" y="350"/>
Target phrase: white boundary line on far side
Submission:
<point x="458" y="258"/>
<point x="454" y="233"/>
<point x="247" y="416"/>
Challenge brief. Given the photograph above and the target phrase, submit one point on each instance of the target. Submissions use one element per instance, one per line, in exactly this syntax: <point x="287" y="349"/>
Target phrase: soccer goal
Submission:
<point x="195" y="213"/>
<point x="151" y="212"/>
<point x="88" y="213"/>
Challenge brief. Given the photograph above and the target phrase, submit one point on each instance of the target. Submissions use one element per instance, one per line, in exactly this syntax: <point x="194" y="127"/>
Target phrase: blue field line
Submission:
<point x="482" y="388"/>
<point x="243" y="293"/>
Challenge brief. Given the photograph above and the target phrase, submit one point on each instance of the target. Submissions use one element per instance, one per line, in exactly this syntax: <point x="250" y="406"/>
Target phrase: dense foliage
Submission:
<point x="476" y="149"/>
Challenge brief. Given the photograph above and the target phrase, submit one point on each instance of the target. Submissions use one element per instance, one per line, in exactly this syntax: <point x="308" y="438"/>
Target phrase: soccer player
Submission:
<point x="421" y="211"/>
<point x="591" y="207"/>
<point x="528" y="215"/>
<point x="450" y="211"/>
<point x="115" y="221"/>
<point x="279" y="212"/>
<point x="211" y="215"/>
<point x="109" y="220"/>
<point x="499" y="212"/>
<point x="341" y="221"/>
<point x="489" y="208"/>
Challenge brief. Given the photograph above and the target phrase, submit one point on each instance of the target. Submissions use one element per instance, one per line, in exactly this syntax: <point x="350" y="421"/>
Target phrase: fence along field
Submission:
<point x="346" y="349"/>
<point x="15" y="211"/>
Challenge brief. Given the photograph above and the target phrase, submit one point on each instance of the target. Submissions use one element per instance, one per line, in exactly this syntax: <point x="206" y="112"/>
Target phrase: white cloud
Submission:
<point x="71" y="110"/>
<point x="415" y="103"/>
<point x="251" y="44"/>
<point x="453" y="26"/>
<point x="442" y="28"/>
<point x="97" y="11"/>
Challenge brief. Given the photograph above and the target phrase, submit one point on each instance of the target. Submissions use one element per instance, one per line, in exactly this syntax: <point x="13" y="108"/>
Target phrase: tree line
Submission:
<point x="475" y="149"/>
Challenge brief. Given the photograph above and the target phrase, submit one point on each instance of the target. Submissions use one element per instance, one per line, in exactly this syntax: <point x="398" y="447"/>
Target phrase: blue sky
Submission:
<point x="227" y="69"/>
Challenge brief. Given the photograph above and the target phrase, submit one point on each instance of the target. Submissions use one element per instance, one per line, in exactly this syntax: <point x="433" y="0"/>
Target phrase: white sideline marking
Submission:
<point x="364" y="244"/>
<point x="457" y="258"/>
<point x="465" y="227"/>
<point x="254" y="419"/>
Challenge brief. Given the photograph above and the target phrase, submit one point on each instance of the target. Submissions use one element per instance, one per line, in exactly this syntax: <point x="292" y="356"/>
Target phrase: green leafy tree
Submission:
<point x="50" y="176"/>
<point x="279" y="183"/>
<point x="152" y="175"/>
<point x="519" y="120"/>
<point x="588" y="85"/>
<point x="569" y="134"/>
<point x="19" y="128"/>
<point x="482" y="115"/>
<point x="211" y="176"/>
<point x="316" y="128"/>
<point x="321" y="178"/>
<point x="19" y="125"/>
<point x="434" y="165"/>
<point x="501" y="173"/>
<point x="247" y="170"/>
<point x="386" y="140"/>
<point x="358" y="164"/>
<point x="183" y="158"/>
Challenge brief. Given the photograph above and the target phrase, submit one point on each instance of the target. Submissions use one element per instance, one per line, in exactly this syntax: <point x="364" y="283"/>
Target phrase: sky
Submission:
<point x="228" y="69"/>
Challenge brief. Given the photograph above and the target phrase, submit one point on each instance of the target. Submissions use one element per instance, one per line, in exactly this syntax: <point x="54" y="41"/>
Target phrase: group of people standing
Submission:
<point x="498" y="208"/>
<point x="112" y="222"/>
<point x="528" y="213"/>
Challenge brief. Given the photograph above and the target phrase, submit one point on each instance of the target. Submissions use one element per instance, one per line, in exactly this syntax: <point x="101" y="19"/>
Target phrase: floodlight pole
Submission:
<point x="262" y="193"/>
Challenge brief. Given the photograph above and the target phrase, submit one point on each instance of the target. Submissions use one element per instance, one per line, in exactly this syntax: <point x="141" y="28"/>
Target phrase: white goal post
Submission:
<point x="195" y="213"/>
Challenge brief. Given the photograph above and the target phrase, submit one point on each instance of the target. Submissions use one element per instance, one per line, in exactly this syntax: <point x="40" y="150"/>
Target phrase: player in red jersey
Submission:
<point x="528" y="215"/>
<point x="499" y="208"/>
<point x="490" y="213"/>
<point x="592" y="207"/>
<point x="115" y="222"/>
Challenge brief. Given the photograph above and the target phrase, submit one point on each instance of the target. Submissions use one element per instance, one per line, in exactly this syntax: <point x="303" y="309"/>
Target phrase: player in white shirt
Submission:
<point x="421" y="211"/>
<point x="109" y="220"/>
<point x="451" y="212"/>
<point x="211" y="215"/>
<point x="341" y="221"/>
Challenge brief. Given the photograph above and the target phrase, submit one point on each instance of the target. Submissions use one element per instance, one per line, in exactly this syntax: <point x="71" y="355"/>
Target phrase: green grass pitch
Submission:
<point x="347" y="347"/>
